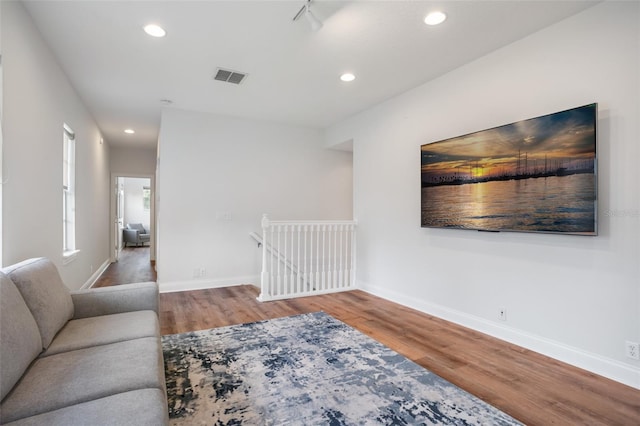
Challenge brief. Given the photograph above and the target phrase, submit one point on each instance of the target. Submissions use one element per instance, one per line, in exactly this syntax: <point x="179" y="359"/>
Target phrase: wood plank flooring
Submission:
<point x="534" y="389"/>
<point x="133" y="266"/>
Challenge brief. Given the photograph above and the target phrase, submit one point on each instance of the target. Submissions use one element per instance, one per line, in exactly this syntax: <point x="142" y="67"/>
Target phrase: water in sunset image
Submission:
<point x="536" y="175"/>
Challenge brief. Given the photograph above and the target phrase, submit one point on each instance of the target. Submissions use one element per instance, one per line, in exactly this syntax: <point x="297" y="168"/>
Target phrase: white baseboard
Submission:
<point x="93" y="278"/>
<point x="610" y="368"/>
<point x="171" y="286"/>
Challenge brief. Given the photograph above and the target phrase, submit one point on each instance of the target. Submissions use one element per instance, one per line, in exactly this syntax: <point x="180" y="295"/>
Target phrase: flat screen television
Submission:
<point x="535" y="175"/>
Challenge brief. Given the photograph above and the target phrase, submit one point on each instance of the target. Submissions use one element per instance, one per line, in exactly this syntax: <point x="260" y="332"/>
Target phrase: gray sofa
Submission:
<point x="91" y="357"/>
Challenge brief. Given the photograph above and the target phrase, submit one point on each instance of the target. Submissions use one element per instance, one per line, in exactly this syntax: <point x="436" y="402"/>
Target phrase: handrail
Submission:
<point x="256" y="237"/>
<point x="311" y="222"/>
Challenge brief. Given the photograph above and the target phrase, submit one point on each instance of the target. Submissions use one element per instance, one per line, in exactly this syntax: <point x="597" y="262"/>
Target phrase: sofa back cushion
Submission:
<point x="48" y="299"/>
<point x="20" y="341"/>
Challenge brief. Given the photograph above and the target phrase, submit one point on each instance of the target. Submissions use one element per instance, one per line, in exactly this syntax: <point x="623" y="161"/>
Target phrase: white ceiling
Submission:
<point x="122" y="74"/>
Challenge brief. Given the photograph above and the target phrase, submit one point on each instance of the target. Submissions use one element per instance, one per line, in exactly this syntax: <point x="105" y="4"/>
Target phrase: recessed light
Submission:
<point x="347" y="77"/>
<point x="129" y="131"/>
<point x="154" y="30"/>
<point x="435" y="18"/>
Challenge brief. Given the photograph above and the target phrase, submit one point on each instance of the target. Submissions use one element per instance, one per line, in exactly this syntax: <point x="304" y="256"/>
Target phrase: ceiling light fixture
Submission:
<point x="435" y="18"/>
<point x="315" y="23"/>
<point x="154" y="30"/>
<point x="347" y="77"/>
<point x="129" y="131"/>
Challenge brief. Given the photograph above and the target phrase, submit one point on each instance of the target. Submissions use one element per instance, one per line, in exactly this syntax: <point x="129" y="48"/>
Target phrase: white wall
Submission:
<point x="218" y="175"/>
<point x="37" y="100"/>
<point x="574" y="298"/>
<point x="128" y="161"/>
<point x="134" y="211"/>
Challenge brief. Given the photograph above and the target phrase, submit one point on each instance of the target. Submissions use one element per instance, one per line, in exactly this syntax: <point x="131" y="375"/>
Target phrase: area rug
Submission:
<point x="307" y="370"/>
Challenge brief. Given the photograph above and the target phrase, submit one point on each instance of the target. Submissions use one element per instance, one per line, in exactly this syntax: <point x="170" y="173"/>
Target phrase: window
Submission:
<point x="146" y="197"/>
<point x="68" y="194"/>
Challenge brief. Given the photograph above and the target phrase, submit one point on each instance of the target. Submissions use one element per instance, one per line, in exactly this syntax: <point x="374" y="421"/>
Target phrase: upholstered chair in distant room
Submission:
<point x="135" y="233"/>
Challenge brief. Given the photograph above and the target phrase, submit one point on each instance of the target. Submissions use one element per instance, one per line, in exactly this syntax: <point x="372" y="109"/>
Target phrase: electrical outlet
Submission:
<point x="203" y="272"/>
<point x="502" y="314"/>
<point x="633" y="350"/>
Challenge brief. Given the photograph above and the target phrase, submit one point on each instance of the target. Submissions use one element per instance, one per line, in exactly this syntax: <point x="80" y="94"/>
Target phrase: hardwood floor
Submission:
<point x="534" y="389"/>
<point x="133" y="266"/>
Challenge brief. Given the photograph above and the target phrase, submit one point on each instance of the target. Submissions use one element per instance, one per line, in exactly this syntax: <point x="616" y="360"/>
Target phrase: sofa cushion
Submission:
<point x="144" y="407"/>
<point x="103" y="330"/>
<point x="21" y="341"/>
<point x="44" y="292"/>
<point x="75" y="377"/>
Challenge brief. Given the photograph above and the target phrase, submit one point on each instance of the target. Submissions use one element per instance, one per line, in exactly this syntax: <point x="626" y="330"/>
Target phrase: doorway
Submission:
<point x="132" y="203"/>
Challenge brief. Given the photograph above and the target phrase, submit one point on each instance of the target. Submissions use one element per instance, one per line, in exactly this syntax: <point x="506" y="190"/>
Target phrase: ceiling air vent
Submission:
<point x="229" y="76"/>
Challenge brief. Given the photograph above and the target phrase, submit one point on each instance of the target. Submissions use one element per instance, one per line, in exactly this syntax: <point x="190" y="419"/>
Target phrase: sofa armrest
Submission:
<point x="116" y="299"/>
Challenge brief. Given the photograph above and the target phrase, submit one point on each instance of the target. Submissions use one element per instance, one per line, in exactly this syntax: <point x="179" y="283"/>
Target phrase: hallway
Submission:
<point x="133" y="266"/>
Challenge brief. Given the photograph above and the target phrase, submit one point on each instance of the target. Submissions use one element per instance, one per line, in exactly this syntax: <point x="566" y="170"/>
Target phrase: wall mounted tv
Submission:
<point x="536" y="175"/>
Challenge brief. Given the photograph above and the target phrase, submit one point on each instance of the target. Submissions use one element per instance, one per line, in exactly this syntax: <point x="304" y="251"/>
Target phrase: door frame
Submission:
<point x="112" y="215"/>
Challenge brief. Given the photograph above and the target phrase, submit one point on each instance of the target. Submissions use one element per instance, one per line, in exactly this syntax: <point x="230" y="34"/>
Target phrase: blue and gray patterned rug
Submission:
<point x="307" y="370"/>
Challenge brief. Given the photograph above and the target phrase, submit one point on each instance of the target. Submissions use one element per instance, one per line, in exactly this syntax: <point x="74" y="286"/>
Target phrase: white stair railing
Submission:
<point x="304" y="258"/>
